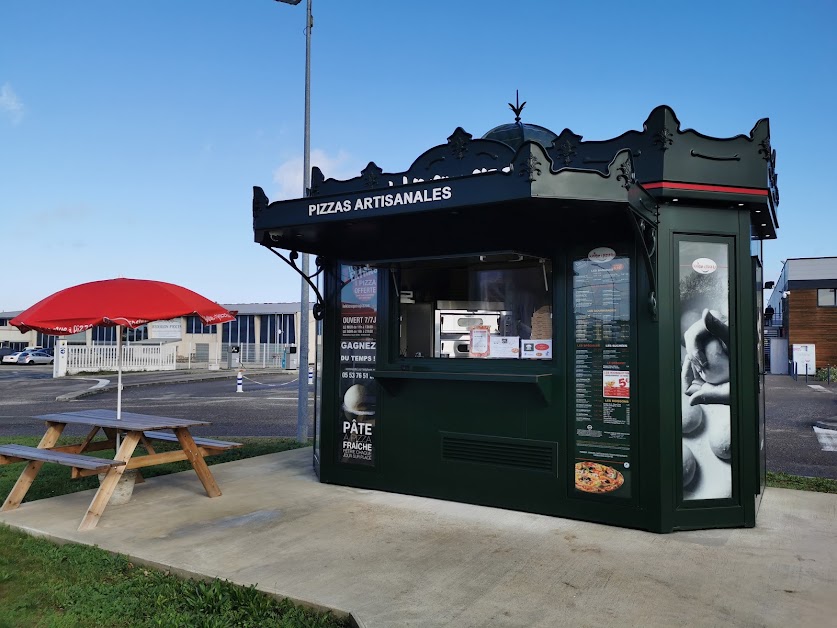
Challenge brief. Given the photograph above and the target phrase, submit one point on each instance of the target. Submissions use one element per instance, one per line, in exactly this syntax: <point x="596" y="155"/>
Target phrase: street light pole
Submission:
<point x="302" y="393"/>
<point x="302" y="405"/>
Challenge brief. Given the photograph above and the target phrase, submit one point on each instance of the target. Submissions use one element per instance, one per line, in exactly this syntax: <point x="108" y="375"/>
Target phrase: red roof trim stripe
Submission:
<point x="700" y="187"/>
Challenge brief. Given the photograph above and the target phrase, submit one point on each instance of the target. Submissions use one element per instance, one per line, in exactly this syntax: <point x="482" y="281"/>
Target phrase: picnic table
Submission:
<point x="135" y="429"/>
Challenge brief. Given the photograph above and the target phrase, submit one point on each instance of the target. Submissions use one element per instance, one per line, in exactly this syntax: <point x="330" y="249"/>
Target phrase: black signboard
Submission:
<point x="358" y="353"/>
<point x="602" y="374"/>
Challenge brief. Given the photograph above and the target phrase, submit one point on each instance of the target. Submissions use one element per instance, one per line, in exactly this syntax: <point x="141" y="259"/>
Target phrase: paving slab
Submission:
<point x="400" y="560"/>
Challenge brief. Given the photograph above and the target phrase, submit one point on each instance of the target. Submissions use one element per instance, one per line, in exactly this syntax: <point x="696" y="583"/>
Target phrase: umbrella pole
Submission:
<point x="118" y="379"/>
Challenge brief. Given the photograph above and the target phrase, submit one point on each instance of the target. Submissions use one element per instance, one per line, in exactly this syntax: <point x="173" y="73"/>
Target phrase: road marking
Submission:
<point x="162" y="400"/>
<point x="100" y="383"/>
<point x="271" y="385"/>
<point x="818" y="388"/>
<point x="827" y="438"/>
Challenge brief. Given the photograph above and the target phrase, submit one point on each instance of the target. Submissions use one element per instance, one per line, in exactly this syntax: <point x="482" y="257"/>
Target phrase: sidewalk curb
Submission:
<point x="827" y="424"/>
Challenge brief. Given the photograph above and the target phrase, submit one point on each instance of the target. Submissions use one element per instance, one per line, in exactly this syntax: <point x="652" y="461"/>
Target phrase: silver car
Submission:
<point x="12" y="357"/>
<point x="29" y="357"/>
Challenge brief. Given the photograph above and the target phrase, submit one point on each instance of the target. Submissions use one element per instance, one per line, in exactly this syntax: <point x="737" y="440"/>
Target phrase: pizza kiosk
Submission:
<point x="533" y="321"/>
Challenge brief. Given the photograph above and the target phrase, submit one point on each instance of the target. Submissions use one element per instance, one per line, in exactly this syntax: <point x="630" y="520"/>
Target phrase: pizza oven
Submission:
<point x="454" y="320"/>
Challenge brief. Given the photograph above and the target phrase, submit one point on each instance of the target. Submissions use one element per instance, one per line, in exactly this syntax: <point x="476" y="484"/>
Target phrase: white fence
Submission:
<point x="249" y="355"/>
<point x="74" y="359"/>
<point x="139" y="357"/>
<point x="264" y="355"/>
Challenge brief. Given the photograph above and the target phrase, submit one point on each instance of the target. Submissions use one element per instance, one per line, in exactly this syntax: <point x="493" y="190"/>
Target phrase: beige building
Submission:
<point x="263" y="334"/>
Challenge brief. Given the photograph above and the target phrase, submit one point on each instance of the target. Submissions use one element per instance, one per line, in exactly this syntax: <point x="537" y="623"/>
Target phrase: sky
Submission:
<point x="132" y="133"/>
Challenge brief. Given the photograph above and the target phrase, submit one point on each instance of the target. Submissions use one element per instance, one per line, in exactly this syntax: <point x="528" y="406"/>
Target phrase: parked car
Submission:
<point x="28" y="357"/>
<point x="4" y="351"/>
<point x="36" y="357"/>
<point x="12" y="358"/>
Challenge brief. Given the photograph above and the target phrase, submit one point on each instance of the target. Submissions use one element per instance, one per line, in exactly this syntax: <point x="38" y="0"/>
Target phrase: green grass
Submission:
<point x="801" y="483"/>
<point x="73" y="586"/>
<point x="46" y="585"/>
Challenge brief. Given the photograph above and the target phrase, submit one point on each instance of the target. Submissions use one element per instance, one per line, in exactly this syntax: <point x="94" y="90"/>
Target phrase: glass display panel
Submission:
<point x="480" y="307"/>
<point x="704" y="279"/>
<point x="602" y="454"/>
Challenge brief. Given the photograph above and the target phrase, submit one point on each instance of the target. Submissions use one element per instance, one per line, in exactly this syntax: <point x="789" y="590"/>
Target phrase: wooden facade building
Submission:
<point x="803" y="309"/>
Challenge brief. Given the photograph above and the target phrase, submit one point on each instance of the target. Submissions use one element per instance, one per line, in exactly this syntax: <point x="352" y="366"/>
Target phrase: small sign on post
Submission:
<point x="805" y="358"/>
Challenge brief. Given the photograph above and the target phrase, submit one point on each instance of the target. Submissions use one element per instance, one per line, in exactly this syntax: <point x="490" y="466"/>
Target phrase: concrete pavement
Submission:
<point x="398" y="560"/>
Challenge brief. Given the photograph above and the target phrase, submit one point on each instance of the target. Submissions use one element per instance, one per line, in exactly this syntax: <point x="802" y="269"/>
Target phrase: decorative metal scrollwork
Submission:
<point x="565" y="151"/>
<point x="458" y="142"/>
<point x="765" y="151"/>
<point x="371" y="174"/>
<point x="773" y="178"/>
<point x="517" y="108"/>
<point x="646" y="232"/>
<point x="319" y="307"/>
<point x="663" y="139"/>
<point x="531" y="168"/>
<point x="626" y="174"/>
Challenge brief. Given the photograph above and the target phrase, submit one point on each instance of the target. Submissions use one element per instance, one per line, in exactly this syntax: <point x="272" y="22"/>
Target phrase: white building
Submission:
<point x="265" y="334"/>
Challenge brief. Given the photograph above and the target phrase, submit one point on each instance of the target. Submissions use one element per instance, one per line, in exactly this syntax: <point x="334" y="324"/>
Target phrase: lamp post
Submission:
<point x="302" y="397"/>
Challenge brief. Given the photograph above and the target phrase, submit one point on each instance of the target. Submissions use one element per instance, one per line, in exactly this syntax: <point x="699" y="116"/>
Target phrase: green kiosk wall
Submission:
<point x="535" y="322"/>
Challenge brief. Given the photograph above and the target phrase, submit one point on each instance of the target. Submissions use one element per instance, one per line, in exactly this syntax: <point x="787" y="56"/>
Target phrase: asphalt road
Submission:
<point x="792" y="409"/>
<point x="267" y="407"/>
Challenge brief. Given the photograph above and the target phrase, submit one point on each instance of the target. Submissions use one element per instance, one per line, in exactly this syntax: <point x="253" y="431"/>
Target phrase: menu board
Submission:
<point x="358" y="354"/>
<point x="602" y="374"/>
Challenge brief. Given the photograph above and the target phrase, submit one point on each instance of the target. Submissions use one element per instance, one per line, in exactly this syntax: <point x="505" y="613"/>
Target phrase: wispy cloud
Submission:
<point x="66" y="214"/>
<point x="289" y="173"/>
<point x="10" y="104"/>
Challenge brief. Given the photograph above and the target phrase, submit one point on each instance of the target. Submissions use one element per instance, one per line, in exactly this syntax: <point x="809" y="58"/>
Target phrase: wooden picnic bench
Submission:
<point x="137" y="429"/>
<point x="208" y="443"/>
<point x="20" y="453"/>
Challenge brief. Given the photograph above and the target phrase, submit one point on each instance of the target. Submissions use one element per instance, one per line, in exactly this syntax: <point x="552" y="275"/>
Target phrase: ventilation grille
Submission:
<point x="518" y="453"/>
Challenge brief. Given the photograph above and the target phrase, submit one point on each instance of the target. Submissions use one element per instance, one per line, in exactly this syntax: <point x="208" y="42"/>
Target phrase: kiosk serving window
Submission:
<point x="494" y="306"/>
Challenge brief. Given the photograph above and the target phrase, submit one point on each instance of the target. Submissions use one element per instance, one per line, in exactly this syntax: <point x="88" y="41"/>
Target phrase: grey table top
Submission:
<point x="129" y="420"/>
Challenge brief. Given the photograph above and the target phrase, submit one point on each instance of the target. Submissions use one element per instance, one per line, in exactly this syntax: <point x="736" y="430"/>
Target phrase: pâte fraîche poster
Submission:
<point x="358" y="353"/>
<point x="602" y="373"/>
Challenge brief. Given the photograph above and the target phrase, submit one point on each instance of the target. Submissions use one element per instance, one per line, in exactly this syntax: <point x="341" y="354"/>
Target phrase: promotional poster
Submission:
<point x="705" y="370"/>
<point x="358" y="354"/>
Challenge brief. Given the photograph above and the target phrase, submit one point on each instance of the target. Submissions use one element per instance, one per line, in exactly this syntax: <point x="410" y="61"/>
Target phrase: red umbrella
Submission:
<point x="117" y="303"/>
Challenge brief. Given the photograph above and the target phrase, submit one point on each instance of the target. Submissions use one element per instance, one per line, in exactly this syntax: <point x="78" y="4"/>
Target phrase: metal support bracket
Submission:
<point x="319" y="307"/>
<point x="645" y="227"/>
